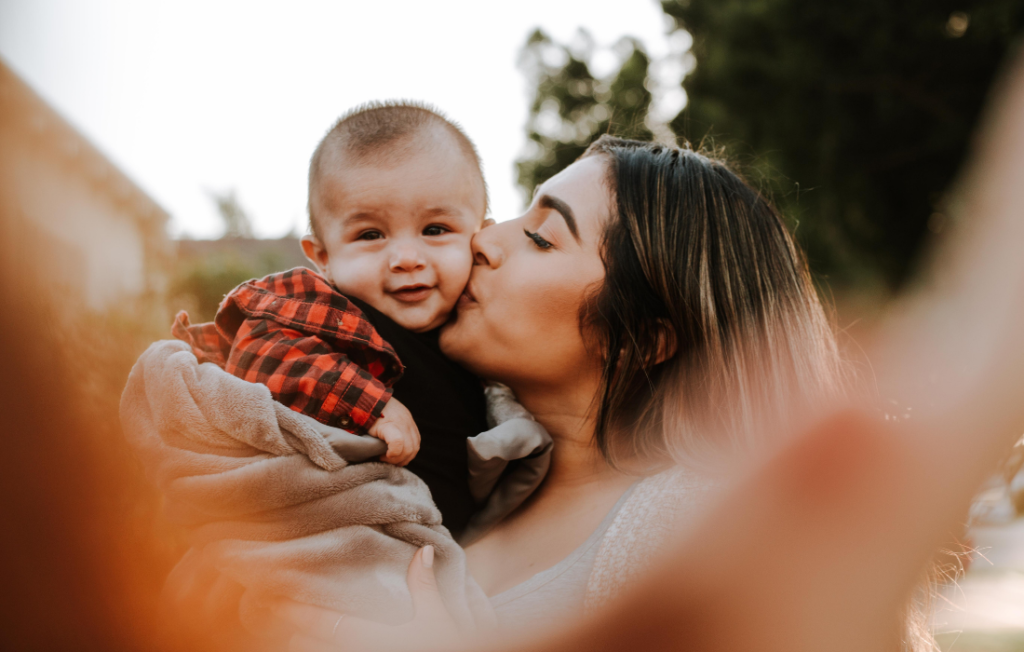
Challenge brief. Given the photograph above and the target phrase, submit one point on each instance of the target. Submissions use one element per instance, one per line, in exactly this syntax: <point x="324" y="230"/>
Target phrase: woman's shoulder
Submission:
<point x="657" y="507"/>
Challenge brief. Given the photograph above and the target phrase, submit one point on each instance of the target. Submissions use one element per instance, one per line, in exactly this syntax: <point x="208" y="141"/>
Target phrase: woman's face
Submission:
<point x="518" y="320"/>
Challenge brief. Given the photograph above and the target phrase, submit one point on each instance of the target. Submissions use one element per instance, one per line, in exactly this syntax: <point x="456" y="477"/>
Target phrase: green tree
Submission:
<point x="854" y="116"/>
<point x="571" y="107"/>
<point x="858" y="113"/>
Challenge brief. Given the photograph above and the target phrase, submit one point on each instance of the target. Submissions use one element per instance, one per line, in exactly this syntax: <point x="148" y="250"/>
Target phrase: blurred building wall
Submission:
<point x="66" y="209"/>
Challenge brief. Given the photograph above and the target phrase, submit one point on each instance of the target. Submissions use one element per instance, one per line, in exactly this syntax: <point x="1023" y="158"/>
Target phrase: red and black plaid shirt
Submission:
<point x="304" y="340"/>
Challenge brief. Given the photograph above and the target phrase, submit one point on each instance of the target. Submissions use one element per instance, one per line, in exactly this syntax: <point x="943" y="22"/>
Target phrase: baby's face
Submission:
<point x="397" y="234"/>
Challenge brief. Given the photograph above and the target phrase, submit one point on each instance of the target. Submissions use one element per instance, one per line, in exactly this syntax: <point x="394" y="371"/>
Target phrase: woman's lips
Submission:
<point x="466" y="298"/>
<point x="412" y="293"/>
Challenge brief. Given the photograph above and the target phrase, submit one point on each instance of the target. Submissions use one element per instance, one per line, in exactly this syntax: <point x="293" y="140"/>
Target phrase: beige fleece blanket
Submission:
<point x="276" y="504"/>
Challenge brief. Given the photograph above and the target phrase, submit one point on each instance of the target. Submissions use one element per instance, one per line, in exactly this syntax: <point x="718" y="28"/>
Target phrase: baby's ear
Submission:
<point x="315" y="253"/>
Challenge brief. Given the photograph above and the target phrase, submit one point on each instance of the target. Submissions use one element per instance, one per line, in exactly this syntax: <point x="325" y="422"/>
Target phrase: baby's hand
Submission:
<point x="396" y="427"/>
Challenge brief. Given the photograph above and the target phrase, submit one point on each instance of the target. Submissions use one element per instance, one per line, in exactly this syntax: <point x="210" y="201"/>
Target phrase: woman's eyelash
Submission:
<point x="537" y="240"/>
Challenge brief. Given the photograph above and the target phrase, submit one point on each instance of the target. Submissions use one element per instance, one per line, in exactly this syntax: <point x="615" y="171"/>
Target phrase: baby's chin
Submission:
<point x="418" y="320"/>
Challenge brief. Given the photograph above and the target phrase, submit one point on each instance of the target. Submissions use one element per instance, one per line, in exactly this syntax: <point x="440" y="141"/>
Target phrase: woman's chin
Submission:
<point x="458" y="341"/>
<point x="452" y="336"/>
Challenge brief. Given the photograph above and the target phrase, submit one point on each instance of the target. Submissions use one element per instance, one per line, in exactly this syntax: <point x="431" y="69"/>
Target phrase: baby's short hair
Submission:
<point x="373" y="131"/>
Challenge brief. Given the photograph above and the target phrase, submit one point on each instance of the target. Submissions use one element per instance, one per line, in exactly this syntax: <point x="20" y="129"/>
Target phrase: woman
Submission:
<point x="648" y="306"/>
<point x="639" y="273"/>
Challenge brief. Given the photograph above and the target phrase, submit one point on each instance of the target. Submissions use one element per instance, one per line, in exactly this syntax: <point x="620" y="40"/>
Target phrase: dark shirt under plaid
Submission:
<point x="313" y="348"/>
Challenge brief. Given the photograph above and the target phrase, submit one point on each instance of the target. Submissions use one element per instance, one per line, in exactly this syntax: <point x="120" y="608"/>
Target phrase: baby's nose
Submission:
<point x="406" y="258"/>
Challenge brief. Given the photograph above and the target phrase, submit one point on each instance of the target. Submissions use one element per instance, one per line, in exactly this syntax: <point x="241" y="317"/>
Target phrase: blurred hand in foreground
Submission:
<point x="431" y="628"/>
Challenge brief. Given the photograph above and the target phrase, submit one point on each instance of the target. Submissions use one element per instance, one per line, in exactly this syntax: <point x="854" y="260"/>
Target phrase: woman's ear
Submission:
<point x="316" y="254"/>
<point x="667" y="343"/>
<point x="665" y="346"/>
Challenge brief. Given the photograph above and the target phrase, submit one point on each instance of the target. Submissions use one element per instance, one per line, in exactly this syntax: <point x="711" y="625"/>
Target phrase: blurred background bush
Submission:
<point x="206" y="270"/>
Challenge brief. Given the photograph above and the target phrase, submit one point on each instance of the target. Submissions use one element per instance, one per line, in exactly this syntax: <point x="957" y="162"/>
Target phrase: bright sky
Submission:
<point x="214" y="94"/>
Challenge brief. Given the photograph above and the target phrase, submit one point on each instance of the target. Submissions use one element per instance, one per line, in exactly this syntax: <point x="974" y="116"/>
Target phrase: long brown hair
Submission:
<point x="708" y="318"/>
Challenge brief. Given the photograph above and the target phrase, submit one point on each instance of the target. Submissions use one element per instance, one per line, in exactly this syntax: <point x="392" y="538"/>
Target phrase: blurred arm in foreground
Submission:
<point x="819" y="546"/>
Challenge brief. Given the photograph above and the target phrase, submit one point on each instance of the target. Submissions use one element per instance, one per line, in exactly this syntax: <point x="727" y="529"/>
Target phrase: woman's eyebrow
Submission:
<point x="547" y="201"/>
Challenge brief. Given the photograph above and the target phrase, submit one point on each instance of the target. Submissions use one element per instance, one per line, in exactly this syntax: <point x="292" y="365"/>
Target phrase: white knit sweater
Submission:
<point x="658" y="507"/>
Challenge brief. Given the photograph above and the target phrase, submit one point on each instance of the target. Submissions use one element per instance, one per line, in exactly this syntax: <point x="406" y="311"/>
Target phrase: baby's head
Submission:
<point x="395" y="196"/>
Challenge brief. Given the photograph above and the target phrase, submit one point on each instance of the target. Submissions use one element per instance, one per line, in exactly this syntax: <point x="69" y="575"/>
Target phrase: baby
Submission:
<point x="396" y="193"/>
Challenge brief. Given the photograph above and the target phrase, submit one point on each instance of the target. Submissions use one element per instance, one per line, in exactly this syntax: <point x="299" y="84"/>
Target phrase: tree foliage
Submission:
<point x="572" y="107"/>
<point x="860" y="112"/>
<point x="854" y="116"/>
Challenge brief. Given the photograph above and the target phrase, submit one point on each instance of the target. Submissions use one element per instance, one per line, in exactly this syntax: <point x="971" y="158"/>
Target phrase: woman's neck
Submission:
<point x="567" y="416"/>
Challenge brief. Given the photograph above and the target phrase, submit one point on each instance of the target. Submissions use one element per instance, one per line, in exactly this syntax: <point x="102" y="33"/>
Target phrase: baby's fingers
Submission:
<point x="410" y="446"/>
<point x="404" y="459"/>
<point x="396" y="449"/>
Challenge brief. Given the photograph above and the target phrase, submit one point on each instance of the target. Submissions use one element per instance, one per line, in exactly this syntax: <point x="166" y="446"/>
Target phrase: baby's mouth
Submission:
<point x="412" y="293"/>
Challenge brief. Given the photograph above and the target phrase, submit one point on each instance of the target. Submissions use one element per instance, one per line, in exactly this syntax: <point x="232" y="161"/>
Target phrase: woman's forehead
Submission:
<point x="584" y="188"/>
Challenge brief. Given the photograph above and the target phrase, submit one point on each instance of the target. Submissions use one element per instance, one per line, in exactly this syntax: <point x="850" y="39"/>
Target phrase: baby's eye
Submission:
<point x="436" y="229"/>
<point x="538" y="240"/>
<point x="370" y="235"/>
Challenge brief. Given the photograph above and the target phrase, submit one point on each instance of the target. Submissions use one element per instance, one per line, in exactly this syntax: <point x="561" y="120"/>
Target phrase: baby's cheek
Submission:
<point x="454" y="263"/>
<point x="357" y="276"/>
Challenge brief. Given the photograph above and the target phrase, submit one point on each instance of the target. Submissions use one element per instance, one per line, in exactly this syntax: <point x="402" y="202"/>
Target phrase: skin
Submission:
<point x="395" y="232"/>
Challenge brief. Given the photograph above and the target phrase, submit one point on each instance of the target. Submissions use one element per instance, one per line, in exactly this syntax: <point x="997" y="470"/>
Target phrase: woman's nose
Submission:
<point x="405" y="258"/>
<point x="486" y="245"/>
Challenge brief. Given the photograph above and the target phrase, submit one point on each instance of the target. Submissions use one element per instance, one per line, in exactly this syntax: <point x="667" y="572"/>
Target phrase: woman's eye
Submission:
<point x="370" y="235"/>
<point x="537" y="240"/>
<point x="435" y="229"/>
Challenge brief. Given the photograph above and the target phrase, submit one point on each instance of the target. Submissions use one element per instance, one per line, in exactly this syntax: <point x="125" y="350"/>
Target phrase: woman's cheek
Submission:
<point x="560" y="319"/>
<point x="539" y="311"/>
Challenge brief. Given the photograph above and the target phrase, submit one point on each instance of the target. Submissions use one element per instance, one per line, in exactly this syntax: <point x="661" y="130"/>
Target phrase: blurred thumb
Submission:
<point x="426" y="597"/>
